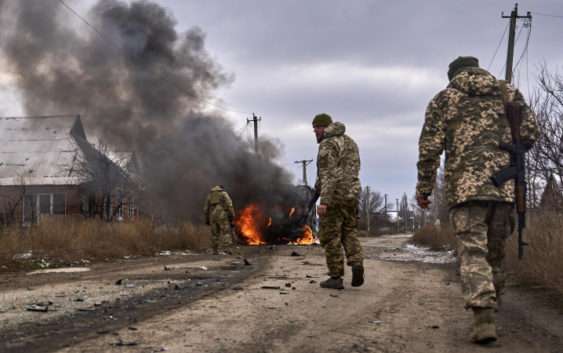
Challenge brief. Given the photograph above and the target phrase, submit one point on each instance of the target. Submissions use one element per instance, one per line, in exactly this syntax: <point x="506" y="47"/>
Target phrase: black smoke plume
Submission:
<point x="140" y="86"/>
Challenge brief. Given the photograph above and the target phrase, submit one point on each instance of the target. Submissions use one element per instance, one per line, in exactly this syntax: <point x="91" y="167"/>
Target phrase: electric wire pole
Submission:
<point x="368" y="210"/>
<point x="255" y="119"/>
<point x="304" y="163"/>
<point x="511" y="33"/>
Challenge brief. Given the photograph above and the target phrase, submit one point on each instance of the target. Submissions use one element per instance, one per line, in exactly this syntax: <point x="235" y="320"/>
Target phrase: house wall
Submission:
<point x="24" y="204"/>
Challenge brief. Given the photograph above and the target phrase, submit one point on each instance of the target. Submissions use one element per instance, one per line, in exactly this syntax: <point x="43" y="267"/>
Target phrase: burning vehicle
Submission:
<point x="289" y="222"/>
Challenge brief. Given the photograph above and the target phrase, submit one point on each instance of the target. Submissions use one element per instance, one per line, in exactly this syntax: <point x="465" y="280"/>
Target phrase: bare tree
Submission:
<point x="12" y="201"/>
<point x="370" y="209"/>
<point x="104" y="181"/>
<point x="546" y="157"/>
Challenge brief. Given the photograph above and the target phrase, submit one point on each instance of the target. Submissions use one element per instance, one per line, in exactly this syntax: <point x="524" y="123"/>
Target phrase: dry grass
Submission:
<point x="69" y="240"/>
<point x="543" y="258"/>
<point x="435" y="238"/>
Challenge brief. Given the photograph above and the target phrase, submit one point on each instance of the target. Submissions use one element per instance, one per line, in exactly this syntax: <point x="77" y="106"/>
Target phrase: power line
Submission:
<point x="498" y="47"/>
<point x="75" y="13"/>
<point x="547" y="15"/>
<point x="525" y="50"/>
<point x="112" y="44"/>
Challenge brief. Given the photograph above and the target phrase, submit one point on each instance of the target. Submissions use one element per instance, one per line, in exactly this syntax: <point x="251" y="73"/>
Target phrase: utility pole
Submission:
<point x="368" y="202"/>
<point x="398" y="215"/>
<point x="304" y="163"/>
<point x="385" y="205"/>
<point x="255" y="119"/>
<point x="511" y="33"/>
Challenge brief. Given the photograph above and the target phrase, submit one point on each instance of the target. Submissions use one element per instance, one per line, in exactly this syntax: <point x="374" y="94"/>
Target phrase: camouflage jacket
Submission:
<point x="218" y="201"/>
<point x="467" y="120"/>
<point x="338" y="167"/>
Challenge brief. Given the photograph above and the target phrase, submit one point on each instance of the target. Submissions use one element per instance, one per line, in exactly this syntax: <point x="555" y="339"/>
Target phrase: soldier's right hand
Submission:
<point x="422" y="201"/>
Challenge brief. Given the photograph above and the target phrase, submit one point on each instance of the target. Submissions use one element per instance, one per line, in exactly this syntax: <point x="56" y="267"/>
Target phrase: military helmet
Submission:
<point x="322" y="120"/>
<point x="460" y="63"/>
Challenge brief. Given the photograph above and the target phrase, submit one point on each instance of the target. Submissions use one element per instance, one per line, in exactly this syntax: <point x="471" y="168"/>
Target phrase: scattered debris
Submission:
<point x="295" y="253"/>
<point x="435" y="327"/>
<point x="78" y="299"/>
<point x="165" y="253"/>
<point x="271" y="287"/>
<point x="23" y="256"/>
<point x="90" y="309"/>
<point x="246" y="262"/>
<point x="312" y="281"/>
<point x="166" y="268"/>
<point x="334" y="295"/>
<point x="237" y="288"/>
<point x="121" y="343"/>
<point x="376" y="322"/>
<point x="311" y="264"/>
<point x="132" y="328"/>
<point x="120" y="281"/>
<point x="203" y="268"/>
<point x="288" y="285"/>
<point x="284" y="292"/>
<point x="39" y="307"/>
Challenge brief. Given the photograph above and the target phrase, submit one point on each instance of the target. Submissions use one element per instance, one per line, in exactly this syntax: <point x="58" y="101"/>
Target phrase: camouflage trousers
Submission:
<point x="482" y="229"/>
<point x="339" y="229"/>
<point x="221" y="234"/>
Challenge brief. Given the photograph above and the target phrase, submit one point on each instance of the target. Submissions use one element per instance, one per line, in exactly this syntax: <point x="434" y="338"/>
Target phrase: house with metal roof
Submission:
<point x="48" y="168"/>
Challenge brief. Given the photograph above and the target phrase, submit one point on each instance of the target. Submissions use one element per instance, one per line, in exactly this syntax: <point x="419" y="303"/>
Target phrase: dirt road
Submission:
<point x="410" y="303"/>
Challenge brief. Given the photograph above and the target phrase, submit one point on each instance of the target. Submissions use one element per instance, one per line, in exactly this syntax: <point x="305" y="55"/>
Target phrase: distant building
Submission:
<point x="48" y="168"/>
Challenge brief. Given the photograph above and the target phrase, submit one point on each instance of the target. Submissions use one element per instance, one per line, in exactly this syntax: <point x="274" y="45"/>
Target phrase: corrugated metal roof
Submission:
<point x="41" y="150"/>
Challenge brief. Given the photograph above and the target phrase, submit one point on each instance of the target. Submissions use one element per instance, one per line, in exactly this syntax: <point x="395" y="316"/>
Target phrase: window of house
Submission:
<point x="59" y="204"/>
<point x="29" y="209"/>
<point x="44" y="203"/>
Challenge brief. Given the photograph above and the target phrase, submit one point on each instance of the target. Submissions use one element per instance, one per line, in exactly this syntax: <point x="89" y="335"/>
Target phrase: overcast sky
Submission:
<point x="372" y="65"/>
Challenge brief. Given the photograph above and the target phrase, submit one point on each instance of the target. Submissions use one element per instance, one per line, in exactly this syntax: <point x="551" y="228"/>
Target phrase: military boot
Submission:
<point x="357" y="275"/>
<point x="484" y="328"/>
<point x="333" y="283"/>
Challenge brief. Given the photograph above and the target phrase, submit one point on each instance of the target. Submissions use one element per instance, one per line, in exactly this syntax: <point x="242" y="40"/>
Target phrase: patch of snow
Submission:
<point x="60" y="270"/>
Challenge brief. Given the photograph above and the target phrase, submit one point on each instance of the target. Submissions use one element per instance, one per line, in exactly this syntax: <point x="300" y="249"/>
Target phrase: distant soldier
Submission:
<point x="338" y="184"/>
<point x="219" y="214"/>
<point x="468" y="121"/>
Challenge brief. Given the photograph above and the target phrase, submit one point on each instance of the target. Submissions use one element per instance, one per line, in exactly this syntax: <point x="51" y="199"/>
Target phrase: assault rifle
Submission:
<point x="517" y="169"/>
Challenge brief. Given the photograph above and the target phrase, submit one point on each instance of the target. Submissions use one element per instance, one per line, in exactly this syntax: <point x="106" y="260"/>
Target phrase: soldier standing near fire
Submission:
<point x="338" y="185"/>
<point x="468" y="121"/>
<point x="219" y="214"/>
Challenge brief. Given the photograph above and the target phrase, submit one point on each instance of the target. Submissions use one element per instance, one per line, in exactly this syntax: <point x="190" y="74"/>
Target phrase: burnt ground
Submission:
<point x="176" y="282"/>
<point x="173" y="304"/>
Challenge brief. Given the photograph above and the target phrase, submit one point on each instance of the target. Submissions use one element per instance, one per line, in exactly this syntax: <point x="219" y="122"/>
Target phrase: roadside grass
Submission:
<point x="435" y="238"/>
<point x="73" y="240"/>
<point x="543" y="258"/>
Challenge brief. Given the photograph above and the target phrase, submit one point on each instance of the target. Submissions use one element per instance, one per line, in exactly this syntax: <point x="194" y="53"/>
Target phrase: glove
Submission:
<point x="422" y="201"/>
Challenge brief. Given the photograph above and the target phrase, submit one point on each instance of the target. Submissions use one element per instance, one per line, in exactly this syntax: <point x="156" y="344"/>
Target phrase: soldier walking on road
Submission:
<point x="468" y="121"/>
<point x="219" y="214"/>
<point x="338" y="184"/>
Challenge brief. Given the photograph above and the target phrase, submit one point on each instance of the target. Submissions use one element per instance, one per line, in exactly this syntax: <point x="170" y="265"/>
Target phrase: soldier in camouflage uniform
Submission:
<point x="219" y="214"/>
<point x="338" y="184"/>
<point x="467" y="120"/>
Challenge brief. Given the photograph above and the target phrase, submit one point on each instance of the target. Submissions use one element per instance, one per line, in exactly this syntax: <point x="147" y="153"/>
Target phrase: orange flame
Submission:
<point x="307" y="238"/>
<point x="248" y="226"/>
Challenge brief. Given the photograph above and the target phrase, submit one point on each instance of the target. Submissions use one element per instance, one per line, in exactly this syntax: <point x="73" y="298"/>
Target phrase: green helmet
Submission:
<point x="322" y="120"/>
<point x="461" y="63"/>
